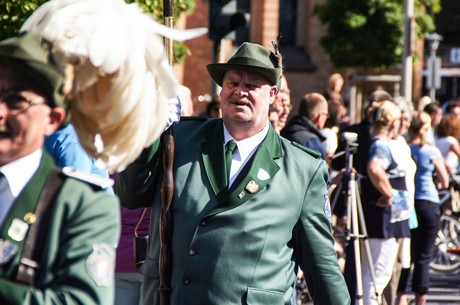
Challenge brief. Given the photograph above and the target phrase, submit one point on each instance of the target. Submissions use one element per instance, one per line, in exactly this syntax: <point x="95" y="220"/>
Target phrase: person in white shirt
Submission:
<point x="448" y="132"/>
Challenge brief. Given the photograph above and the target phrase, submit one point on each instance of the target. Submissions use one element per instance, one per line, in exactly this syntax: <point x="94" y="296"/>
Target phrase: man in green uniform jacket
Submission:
<point x="239" y="232"/>
<point x="80" y="227"/>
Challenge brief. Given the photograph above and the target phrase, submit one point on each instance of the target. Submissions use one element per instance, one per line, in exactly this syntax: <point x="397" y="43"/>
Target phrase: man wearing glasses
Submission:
<point x="57" y="232"/>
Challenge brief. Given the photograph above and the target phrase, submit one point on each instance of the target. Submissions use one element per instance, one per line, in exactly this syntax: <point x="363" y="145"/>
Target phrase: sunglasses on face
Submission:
<point x="16" y="102"/>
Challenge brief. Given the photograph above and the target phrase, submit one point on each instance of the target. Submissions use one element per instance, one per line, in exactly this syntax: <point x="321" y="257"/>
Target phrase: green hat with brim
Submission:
<point x="31" y="55"/>
<point x="250" y="57"/>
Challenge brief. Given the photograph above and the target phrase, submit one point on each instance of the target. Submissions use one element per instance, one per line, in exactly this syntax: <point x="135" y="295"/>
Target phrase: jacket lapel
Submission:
<point x="212" y="152"/>
<point x="28" y="198"/>
<point x="261" y="171"/>
<point x="15" y="226"/>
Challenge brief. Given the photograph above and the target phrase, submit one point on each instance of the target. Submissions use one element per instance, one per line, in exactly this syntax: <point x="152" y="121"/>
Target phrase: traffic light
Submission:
<point x="224" y="18"/>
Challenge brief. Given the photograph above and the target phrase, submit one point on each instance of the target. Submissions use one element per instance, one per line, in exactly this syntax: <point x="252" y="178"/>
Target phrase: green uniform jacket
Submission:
<point x="242" y="247"/>
<point x="78" y="255"/>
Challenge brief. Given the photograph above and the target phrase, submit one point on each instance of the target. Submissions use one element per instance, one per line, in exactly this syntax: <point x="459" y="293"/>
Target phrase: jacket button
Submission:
<point x="203" y="223"/>
<point x="186" y="281"/>
<point x="192" y="252"/>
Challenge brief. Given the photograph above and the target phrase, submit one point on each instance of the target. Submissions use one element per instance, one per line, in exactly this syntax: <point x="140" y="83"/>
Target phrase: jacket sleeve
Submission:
<point x="314" y="244"/>
<point x="77" y="265"/>
<point x="136" y="184"/>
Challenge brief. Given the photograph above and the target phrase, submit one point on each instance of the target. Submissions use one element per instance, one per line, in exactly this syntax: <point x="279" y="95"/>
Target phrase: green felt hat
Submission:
<point x="31" y="55"/>
<point x="251" y="57"/>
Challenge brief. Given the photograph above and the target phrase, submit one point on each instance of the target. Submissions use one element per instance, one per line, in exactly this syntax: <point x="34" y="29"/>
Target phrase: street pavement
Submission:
<point x="444" y="290"/>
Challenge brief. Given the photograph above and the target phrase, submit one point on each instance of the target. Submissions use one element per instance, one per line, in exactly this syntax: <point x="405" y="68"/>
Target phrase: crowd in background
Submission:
<point x="405" y="156"/>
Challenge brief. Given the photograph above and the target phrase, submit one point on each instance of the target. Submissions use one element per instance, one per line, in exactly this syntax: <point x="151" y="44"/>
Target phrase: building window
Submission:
<point x="288" y="22"/>
<point x="293" y="27"/>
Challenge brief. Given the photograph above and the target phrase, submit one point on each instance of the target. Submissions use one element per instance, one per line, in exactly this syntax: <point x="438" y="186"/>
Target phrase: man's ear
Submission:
<point x="273" y="93"/>
<point x="57" y="118"/>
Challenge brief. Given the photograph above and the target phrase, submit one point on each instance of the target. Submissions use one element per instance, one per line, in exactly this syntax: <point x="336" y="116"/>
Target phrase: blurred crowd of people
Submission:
<point x="404" y="157"/>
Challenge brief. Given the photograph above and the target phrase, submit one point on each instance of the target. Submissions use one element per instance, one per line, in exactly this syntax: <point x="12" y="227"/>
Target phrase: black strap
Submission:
<point x="35" y="241"/>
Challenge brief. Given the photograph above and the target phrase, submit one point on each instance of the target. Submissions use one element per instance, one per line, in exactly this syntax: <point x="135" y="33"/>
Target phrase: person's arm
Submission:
<point x="441" y="170"/>
<point x="314" y="244"/>
<point x="379" y="179"/>
<point x="135" y="185"/>
<point x="79" y="255"/>
<point x="455" y="148"/>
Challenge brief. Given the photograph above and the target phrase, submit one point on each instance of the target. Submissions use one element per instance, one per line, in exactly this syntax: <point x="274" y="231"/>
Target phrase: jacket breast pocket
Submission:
<point x="257" y="296"/>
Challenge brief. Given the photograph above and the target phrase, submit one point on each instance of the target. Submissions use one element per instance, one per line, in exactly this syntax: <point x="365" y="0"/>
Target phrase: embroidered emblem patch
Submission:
<point x="7" y="251"/>
<point x="18" y="229"/>
<point x="100" y="264"/>
<point x="327" y="207"/>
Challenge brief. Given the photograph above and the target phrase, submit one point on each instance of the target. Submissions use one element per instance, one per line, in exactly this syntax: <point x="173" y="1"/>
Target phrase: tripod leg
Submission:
<point x="335" y="199"/>
<point x="353" y="216"/>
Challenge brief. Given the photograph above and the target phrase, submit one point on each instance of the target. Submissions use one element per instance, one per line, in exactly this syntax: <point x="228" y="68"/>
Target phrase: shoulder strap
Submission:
<point x="139" y="222"/>
<point x="31" y="254"/>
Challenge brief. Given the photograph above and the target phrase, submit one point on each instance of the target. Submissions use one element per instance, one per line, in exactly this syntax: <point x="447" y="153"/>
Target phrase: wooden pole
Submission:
<point x="167" y="183"/>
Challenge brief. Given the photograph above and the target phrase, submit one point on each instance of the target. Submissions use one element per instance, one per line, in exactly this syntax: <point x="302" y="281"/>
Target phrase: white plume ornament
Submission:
<point x="116" y="71"/>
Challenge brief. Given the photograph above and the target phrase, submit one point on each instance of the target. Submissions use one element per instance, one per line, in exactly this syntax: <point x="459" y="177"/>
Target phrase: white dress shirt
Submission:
<point x="20" y="171"/>
<point x="244" y="151"/>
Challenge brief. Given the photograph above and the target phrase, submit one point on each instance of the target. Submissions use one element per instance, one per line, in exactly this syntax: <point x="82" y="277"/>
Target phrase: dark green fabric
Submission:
<point x="251" y="57"/>
<point x="31" y="55"/>
<point x="245" y="243"/>
<point x="231" y="146"/>
<point x="82" y="220"/>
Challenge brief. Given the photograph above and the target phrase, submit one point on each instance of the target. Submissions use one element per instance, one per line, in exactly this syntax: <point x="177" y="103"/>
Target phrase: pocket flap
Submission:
<point x="264" y="297"/>
<point x="150" y="268"/>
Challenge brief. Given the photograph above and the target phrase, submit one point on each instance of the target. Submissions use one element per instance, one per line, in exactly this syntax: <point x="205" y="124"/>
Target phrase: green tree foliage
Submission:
<point x="14" y="12"/>
<point x="369" y="34"/>
<point x="180" y="7"/>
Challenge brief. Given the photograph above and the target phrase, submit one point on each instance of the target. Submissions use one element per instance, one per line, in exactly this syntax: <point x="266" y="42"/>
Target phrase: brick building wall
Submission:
<point x="264" y="29"/>
<point x="302" y="83"/>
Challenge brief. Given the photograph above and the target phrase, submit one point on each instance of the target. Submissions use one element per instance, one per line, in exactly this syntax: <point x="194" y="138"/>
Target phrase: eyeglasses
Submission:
<point x="16" y="102"/>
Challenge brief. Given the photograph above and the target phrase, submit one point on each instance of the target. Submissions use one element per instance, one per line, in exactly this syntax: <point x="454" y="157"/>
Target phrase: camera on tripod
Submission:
<point x="351" y="137"/>
<point x="348" y="145"/>
<point x="340" y="194"/>
<point x="351" y="147"/>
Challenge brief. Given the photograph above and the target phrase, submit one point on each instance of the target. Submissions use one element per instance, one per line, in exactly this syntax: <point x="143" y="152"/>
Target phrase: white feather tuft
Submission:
<point x="122" y="79"/>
